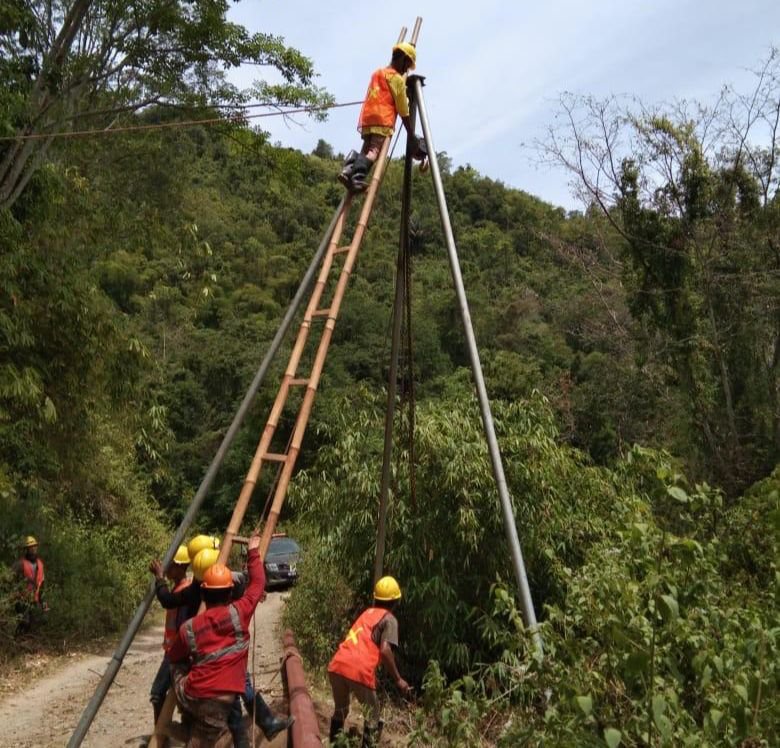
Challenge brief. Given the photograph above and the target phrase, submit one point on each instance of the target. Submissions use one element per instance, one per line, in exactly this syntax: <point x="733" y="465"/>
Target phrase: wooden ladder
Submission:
<point x="316" y="309"/>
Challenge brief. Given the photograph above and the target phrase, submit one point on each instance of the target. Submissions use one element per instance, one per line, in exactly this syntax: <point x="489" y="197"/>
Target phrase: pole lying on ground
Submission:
<point x="116" y="659"/>
<point x="507" y="511"/>
<point x="305" y="731"/>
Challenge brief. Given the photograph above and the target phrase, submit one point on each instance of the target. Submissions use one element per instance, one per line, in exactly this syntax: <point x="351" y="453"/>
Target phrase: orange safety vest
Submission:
<point x="358" y="656"/>
<point x="34" y="579"/>
<point x="171" y="617"/>
<point x="379" y="106"/>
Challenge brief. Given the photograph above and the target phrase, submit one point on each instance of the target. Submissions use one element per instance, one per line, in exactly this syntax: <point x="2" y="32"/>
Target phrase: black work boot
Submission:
<point x="267" y="722"/>
<point x="348" y="169"/>
<point x="336" y="726"/>
<point x="359" y="180"/>
<point x="371" y="735"/>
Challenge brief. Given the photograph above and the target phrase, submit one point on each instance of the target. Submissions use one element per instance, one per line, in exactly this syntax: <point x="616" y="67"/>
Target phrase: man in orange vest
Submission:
<point x="352" y="670"/>
<point x="385" y="99"/>
<point x="29" y="568"/>
<point x="211" y="650"/>
<point x="175" y="615"/>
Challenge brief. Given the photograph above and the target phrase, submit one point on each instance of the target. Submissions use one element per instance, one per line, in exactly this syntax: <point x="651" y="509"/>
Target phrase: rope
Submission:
<point x="236" y="119"/>
<point x="410" y="374"/>
<point x="254" y="680"/>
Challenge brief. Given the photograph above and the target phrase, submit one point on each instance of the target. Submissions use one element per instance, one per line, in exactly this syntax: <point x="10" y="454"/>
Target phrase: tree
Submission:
<point x="692" y="193"/>
<point x="75" y="64"/>
<point x="323" y="149"/>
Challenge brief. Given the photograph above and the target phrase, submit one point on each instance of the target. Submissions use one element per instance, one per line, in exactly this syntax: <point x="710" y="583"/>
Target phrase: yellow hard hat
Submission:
<point x="29" y="541"/>
<point x="182" y="556"/>
<point x="409" y="51"/>
<point x="204" y="561"/>
<point x="387" y="589"/>
<point x="199" y="542"/>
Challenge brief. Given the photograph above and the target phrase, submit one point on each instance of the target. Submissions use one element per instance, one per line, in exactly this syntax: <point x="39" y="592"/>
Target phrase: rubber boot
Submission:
<point x="349" y="168"/>
<point x="267" y="721"/>
<point x="336" y="726"/>
<point x="371" y="735"/>
<point x="359" y="180"/>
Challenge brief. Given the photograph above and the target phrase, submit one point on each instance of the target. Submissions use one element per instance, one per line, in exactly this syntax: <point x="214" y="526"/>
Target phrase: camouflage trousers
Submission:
<point x="207" y="718"/>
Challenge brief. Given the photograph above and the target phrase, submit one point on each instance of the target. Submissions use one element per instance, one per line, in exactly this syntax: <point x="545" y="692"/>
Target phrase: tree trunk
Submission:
<point x="14" y="171"/>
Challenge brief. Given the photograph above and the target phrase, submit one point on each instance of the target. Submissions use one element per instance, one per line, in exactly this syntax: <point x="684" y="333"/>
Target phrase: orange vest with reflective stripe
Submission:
<point x="379" y="105"/>
<point x="358" y="656"/>
<point x="34" y="579"/>
<point x="171" y="618"/>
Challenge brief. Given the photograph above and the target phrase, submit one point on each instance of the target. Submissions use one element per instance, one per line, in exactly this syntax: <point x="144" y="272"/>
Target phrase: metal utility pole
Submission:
<point x="398" y="309"/>
<point x="507" y="511"/>
<point x="401" y="292"/>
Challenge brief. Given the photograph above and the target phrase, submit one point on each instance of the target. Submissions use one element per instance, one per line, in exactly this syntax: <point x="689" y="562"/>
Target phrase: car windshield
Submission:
<point x="282" y="547"/>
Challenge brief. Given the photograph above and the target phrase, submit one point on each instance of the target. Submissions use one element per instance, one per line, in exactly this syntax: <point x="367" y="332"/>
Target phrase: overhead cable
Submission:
<point x="235" y="119"/>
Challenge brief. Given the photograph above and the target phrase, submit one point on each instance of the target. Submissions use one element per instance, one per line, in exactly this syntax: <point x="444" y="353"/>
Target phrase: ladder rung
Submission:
<point x="321" y="312"/>
<point x="273" y="457"/>
<point x="341" y="250"/>
<point x="299" y="382"/>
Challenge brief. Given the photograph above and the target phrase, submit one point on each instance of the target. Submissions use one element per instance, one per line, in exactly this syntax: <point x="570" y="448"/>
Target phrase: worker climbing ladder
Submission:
<point x="332" y="265"/>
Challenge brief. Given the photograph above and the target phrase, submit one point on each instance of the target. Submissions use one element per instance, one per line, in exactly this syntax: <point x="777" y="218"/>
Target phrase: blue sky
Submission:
<point x="495" y="69"/>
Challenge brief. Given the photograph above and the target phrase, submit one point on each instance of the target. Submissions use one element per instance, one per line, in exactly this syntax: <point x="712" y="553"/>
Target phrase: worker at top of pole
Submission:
<point x="29" y="569"/>
<point x="352" y="670"/>
<point x="210" y="652"/>
<point x="385" y="100"/>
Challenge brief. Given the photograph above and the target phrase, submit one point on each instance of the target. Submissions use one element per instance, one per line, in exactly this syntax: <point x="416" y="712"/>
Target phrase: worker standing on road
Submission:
<point x="352" y="670"/>
<point x="176" y="613"/>
<point x="29" y="569"/>
<point x="210" y="652"/>
<point x="385" y="99"/>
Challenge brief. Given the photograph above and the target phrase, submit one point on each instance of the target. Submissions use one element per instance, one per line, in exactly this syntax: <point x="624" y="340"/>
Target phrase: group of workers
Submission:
<point x="206" y="653"/>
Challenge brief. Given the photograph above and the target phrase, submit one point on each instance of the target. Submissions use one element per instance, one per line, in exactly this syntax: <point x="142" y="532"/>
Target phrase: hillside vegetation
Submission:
<point x="631" y="352"/>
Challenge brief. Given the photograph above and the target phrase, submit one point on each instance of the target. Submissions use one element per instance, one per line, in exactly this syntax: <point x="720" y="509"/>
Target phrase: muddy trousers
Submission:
<point x="342" y="689"/>
<point x="208" y="718"/>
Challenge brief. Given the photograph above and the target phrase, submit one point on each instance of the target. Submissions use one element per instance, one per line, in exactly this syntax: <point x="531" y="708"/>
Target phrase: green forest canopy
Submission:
<point x="144" y="275"/>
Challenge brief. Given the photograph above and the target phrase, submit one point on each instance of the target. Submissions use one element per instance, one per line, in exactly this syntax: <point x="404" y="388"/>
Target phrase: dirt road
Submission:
<point x="44" y="714"/>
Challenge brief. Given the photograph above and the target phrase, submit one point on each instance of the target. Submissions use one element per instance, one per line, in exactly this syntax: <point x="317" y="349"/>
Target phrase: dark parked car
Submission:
<point x="281" y="561"/>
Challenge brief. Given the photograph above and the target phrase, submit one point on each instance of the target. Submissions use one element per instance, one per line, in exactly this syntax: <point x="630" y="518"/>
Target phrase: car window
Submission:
<point x="282" y="546"/>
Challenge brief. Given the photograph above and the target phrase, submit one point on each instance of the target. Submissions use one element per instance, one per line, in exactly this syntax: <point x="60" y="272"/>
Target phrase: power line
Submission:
<point x="173" y="125"/>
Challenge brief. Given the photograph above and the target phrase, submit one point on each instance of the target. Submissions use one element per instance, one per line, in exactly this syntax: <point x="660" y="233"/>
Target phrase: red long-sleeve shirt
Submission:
<point x="216" y="630"/>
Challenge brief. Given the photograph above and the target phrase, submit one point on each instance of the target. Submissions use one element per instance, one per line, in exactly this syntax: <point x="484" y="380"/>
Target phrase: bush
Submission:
<point x="320" y="605"/>
<point x="96" y="573"/>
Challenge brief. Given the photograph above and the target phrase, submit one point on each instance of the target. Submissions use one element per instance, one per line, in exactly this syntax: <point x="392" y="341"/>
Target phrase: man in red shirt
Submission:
<point x="210" y="653"/>
<point x="352" y="670"/>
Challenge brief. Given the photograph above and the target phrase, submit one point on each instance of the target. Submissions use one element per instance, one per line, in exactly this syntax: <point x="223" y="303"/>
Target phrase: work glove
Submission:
<point x="420" y="150"/>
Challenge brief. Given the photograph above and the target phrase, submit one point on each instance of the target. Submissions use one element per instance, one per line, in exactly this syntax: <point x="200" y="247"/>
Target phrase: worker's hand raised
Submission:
<point x="156" y="568"/>
<point x="254" y="542"/>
